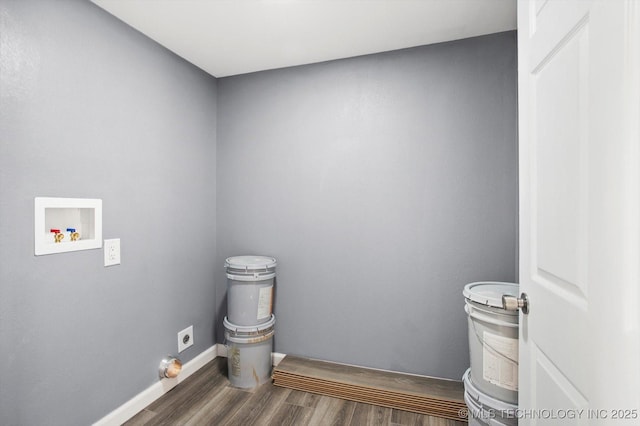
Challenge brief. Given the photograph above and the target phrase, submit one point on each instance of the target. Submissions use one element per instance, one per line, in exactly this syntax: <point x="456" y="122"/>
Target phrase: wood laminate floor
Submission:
<point x="207" y="398"/>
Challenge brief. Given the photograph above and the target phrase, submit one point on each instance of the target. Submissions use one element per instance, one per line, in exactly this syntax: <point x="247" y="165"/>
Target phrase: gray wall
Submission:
<point x="90" y="108"/>
<point x="382" y="184"/>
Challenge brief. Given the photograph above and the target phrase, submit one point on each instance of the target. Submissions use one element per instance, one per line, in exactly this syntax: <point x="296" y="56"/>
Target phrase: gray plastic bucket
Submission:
<point x="250" y="282"/>
<point x="493" y="339"/>
<point x="249" y="353"/>
<point x="485" y="410"/>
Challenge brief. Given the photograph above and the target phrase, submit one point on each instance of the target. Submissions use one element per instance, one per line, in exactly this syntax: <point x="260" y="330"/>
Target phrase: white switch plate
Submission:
<point x="112" y="252"/>
<point x="185" y="338"/>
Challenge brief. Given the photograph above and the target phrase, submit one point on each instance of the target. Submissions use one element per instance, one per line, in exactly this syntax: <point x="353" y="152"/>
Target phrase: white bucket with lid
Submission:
<point x="493" y="339"/>
<point x="485" y="410"/>
<point x="249" y="352"/>
<point x="250" y="282"/>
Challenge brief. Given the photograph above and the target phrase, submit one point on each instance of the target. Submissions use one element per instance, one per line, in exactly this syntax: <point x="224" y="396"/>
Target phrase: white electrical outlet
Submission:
<point x="112" y="252"/>
<point x="185" y="338"/>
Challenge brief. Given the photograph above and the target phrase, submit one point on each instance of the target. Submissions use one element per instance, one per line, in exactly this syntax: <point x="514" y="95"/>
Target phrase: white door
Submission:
<point x="579" y="130"/>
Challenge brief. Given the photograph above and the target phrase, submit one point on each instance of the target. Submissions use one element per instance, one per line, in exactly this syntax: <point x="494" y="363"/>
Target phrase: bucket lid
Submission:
<point x="250" y="263"/>
<point x="489" y="292"/>
<point x="249" y="330"/>
<point x="485" y="400"/>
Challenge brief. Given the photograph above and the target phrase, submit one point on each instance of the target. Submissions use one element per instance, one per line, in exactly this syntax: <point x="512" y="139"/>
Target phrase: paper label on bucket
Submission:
<point x="500" y="360"/>
<point x="234" y="357"/>
<point x="265" y="297"/>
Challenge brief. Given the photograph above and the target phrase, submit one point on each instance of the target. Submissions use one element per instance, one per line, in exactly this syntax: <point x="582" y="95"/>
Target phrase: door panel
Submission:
<point x="560" y="149"/>
<point x="559" y="194"/>
<point x="555" y="392"/>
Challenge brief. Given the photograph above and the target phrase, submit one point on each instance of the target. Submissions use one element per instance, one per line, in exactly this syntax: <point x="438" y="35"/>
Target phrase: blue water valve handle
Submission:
<point x="71" y="229"/>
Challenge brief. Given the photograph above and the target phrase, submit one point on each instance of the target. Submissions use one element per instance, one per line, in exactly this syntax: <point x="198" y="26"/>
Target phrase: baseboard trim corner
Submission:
<point x="276" y="357"/>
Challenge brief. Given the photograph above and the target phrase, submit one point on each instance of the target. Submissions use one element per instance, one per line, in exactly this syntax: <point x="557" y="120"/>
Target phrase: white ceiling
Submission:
<point x="228" y="37"/>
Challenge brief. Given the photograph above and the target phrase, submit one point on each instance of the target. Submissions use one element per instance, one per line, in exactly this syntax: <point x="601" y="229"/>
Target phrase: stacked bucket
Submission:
<point x="249" y="324"/>
<point x="491" y="384"/>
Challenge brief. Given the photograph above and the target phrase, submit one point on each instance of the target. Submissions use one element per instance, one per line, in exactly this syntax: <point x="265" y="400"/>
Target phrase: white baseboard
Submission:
<point x="276" y="357"/>
<point x="155" y="391"/>
<point x="222" y="350"/>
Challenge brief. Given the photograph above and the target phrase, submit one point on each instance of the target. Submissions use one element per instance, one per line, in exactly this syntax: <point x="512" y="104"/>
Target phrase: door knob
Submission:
<point x="513" y="303"/>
